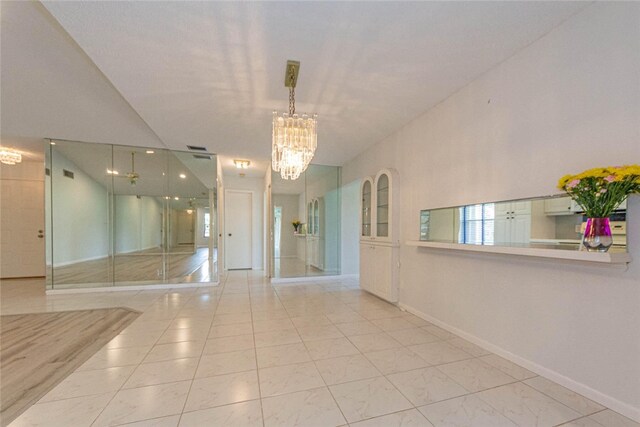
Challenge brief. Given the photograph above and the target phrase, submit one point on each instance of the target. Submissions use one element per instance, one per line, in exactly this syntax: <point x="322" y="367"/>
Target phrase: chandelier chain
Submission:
<point x="292" y="101"/>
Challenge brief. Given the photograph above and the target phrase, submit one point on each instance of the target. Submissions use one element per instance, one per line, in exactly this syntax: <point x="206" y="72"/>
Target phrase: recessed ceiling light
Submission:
<point x="241" y="164"/>
<point x="183" y="176"/>
<point x="110" y="172"/>
<point x="150" y="151"/>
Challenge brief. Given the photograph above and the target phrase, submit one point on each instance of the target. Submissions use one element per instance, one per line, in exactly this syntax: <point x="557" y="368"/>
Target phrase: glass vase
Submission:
<point x="597" y="235"/>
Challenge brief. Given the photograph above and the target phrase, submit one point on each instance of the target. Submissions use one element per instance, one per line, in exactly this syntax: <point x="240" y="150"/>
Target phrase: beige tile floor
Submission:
<point x="326" y="354"/>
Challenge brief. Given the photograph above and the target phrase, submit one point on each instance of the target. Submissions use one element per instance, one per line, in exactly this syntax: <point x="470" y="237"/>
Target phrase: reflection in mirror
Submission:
<point x="314" y="199"/>
<point x="547" y="222"/>
<point x="125" y="216"/>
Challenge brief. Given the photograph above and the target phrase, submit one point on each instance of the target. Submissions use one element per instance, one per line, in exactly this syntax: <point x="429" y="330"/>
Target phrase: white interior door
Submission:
<point x="238" y="214"/>
<point x="185" y="228"/>
<point x="22" y="240"/>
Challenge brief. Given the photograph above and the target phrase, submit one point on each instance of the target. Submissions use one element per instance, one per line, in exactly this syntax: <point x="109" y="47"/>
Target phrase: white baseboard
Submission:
<point x="131" y="288"/>
<point x="307" y="279"/>
<point x="606" y="400"/>
<point x="75" y="261"/>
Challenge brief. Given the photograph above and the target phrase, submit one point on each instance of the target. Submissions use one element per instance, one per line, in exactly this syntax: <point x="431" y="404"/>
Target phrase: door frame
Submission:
<point x="226" y="246"/>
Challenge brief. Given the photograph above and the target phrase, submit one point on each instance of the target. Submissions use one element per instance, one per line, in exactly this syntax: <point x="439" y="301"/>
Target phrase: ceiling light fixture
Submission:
<point x="110" y="172"/>
<point x="183" y="176"/>
<point x="9" y="156"/>
<point x="294" y="137"/>
<point x="241" y="164"/>
<point x="149" y="151"/>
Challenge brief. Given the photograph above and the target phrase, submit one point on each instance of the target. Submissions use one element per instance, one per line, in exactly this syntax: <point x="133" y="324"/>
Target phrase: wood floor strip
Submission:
<point x="39" y="350"/>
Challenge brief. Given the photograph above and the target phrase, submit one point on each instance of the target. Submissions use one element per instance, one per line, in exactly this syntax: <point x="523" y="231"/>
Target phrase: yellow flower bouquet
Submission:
<point x="296" y="223"/>
<point x="601" y="190"/>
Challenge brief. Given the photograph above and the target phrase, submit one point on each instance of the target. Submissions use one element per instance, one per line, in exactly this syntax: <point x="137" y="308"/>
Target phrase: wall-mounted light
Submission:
<point x="189" y="211"/>
<point x="176" y="198"/>
<point x="9" y="156"/>
<point x="110" y="172"/>
<point x="52" y="143"/>
<point x="149" y="151"/>
<point x="241" y="164"/>
<point x="183" y="176"/>
<point x="167" y="197"/>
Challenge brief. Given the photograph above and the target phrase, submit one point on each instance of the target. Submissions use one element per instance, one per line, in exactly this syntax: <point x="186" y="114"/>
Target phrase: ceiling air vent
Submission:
<point x="67" y="173"/>
<point x="196" y="148"/>
<point x="202" y="156"/>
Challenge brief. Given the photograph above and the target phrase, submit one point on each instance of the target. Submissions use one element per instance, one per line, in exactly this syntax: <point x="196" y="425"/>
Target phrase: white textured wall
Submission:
<point x="569" y="101"/>
<point x="350" y="228"/>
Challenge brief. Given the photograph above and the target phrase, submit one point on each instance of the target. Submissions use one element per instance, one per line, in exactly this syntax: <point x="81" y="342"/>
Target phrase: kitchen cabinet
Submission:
<point x="561" y="206"/>
<point x="512" y="222"/>
<point x="379" y="232"/>
<point x="568" y="206"/>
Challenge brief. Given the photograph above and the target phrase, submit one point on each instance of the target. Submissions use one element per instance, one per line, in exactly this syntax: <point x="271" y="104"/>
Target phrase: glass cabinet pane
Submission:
<point x="382" y="219"/>
<point x="316" y="218"/>
<point x="366" y="209"/>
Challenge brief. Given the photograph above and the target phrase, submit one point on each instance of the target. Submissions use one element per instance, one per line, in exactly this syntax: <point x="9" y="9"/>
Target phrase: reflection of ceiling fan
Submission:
<point x="133" y="175"/>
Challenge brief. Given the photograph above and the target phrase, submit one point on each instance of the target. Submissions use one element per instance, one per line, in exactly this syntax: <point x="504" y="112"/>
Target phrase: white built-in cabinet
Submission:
<point x="379" y="235"/>
<point x="512" y="222"/>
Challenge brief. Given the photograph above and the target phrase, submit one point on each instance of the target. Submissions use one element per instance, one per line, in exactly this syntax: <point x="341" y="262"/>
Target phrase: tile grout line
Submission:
<point x="255" y="352"/>
<point x="193" y="378"/>
<point x="127" y="379"/>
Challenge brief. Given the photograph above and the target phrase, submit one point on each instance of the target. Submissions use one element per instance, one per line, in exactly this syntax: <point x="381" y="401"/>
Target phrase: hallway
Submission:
<point x="250" y="354"/>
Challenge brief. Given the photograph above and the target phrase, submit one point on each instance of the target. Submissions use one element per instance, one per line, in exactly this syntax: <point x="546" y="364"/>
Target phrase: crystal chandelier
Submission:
<point x="294" y="137"/>
<point x="9" y="156"/>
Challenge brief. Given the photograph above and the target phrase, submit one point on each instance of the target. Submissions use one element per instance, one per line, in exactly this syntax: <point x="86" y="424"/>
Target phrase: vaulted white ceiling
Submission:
<point x="211" y="73"/>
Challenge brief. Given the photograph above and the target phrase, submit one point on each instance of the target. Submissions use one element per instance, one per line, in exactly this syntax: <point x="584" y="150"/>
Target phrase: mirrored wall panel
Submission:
<point x="121" y="216"/>
<point x="312" y="248"/>
<point x="555" y="222"/>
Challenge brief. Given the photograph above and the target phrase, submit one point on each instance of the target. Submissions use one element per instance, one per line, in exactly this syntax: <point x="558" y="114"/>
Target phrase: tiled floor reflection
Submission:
<point x="316" y="354"/>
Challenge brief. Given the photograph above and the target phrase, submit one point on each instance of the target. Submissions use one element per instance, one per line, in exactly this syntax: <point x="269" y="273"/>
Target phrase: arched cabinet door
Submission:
<point x="366" y="209"/>
<point x="316" y="217"/>
<point x="309" y="218"/>
<point x="385" y="228"/>
<point x="379" y="233"/>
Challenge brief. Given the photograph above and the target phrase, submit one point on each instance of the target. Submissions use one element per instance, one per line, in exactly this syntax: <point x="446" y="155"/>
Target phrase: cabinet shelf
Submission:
<point x="612" y="257"/>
